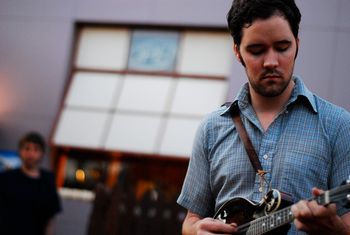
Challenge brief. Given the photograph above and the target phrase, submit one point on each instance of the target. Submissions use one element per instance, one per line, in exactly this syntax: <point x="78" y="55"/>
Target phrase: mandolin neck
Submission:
<point x="267" y="223"/>
<point x="284" y="216"/>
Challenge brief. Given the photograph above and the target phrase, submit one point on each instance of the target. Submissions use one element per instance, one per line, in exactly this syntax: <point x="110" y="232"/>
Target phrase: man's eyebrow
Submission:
<point x="283" y="42"/>
<point x="258" y="45"/>
<point x="254" y="45"/>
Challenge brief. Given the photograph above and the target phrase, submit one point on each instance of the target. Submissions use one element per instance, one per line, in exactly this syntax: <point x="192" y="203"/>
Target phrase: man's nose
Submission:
<point x="32" y="152"/>
<point x="271" y="59"/>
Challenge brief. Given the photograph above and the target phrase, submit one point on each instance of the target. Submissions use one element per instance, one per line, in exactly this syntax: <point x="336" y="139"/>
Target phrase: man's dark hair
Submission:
<point x="32" y="137"/>
<point x="244" y="12"/>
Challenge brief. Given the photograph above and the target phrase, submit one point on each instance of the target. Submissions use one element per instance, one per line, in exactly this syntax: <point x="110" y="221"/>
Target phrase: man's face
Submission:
<point x="31" y="155"/>
<point x="268" y="49"/>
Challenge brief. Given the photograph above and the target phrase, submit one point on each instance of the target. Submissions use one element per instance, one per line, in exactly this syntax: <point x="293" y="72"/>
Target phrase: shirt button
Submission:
<point x="265" y="156"/>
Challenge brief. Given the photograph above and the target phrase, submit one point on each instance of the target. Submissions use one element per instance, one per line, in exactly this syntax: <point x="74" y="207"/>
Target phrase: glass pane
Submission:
<point x="178" y="136"/>
<point x="153" y="50"/>
<point x="206" y="54"/>
<point x="134" y="133"/>
<point x="94" y="90"/>
<point x="198" y="96"/>
<point x="84" y="174"/>
<point x="145" y="93"/>
<point x="80" y="128"/>
<point x="103" y="48"/>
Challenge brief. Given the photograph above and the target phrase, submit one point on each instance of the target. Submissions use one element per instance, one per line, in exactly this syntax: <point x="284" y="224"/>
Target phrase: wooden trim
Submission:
<point x="148" y="73"/>
<point x="153" y="26"/>
<point x="60" y="172"/>
<point x="118" y="155"/>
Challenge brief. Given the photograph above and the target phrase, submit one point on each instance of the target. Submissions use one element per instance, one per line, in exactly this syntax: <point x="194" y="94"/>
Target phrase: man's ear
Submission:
<point x="236" y="52"/>
<point x="297" y="46"/>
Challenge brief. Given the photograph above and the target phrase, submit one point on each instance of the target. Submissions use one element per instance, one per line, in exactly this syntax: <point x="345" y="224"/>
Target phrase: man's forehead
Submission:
<point x="31" y="144"/>
<point x="260" y="29"/>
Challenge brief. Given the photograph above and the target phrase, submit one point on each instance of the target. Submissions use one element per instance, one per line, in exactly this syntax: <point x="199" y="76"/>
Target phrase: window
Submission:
<point x="135" y="98"/>
<point x="143" y="90"/>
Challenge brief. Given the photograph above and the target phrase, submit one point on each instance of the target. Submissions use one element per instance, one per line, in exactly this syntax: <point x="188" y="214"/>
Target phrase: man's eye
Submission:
<point x="282" y="46"/>
<point x="256" y="51"/>
<point x="281" y="49"/>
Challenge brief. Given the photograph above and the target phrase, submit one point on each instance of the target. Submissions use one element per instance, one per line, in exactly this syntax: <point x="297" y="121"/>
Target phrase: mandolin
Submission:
<point x="272" y="215"/>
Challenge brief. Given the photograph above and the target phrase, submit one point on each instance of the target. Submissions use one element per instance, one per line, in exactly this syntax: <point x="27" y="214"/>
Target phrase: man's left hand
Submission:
<point x="316" y="219"/>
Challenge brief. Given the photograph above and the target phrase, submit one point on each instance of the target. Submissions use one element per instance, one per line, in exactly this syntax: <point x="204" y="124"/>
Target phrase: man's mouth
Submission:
<point x="273" y="75"/>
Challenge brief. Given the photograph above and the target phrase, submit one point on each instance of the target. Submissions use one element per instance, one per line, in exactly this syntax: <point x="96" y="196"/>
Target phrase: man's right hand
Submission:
<point x="195" y="225"/>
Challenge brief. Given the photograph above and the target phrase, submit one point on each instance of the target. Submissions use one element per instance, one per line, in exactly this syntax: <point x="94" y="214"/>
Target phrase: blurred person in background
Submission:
<point x="28" y="195"/>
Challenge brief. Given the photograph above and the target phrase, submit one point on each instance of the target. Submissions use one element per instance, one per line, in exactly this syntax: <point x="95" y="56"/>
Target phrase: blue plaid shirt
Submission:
<point x="307" y="145"/>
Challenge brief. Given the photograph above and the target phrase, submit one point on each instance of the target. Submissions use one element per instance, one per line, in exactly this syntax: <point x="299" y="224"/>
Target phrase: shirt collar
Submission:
<point x="300" y="93"/>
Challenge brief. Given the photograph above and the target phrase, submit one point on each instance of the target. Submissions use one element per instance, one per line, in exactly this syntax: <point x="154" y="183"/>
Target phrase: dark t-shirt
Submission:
<point x="26" y="204"/>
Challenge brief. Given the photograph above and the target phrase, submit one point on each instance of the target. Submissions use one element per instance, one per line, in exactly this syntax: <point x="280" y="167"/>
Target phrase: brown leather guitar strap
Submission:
<point x="253" y="157"/>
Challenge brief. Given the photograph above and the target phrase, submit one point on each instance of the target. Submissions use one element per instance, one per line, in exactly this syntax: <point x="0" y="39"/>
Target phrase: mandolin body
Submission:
<point x="242" y="211"/>
<point x="272" y="216"/>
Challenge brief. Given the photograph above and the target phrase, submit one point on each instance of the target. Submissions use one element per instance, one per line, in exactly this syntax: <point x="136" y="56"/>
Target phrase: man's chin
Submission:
<point x="270" y="92"/>
<point x="31" y="165"/>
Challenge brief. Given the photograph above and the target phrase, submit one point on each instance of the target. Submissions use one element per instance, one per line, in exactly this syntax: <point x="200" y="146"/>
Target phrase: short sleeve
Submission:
<point x="196" y="193"/>
<point x="53" y="197"/>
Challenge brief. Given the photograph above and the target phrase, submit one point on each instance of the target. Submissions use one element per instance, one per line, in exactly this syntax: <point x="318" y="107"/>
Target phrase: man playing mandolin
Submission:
<point x="301" y="140"/>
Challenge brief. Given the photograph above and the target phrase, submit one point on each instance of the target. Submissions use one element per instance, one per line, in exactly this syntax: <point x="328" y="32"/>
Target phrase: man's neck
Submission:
<point x="31" y="172"/>
<point x="268" y="108"/>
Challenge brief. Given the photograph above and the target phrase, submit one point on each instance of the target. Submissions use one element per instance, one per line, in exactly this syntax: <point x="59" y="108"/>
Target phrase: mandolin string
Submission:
<point x="338" y="198"/>
<point x="244" y="227"/>
<point x="344" y="189"/>
<point x="336" y="195"/>
<point x="279" y="212"/>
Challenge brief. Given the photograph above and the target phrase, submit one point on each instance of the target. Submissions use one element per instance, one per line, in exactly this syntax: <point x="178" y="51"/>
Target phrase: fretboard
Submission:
<point x="267" y="223"/>
<point x="284" y="216"/>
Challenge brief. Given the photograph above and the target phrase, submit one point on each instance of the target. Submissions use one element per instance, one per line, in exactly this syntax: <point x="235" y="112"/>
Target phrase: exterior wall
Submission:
<point x="36" y="38"/>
